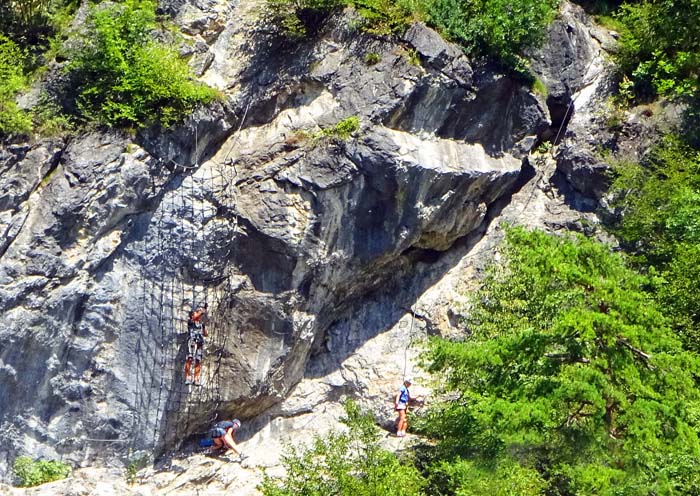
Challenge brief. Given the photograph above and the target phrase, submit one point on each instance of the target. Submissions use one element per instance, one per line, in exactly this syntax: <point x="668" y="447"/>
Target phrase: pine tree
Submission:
<point x="571" y="375"/>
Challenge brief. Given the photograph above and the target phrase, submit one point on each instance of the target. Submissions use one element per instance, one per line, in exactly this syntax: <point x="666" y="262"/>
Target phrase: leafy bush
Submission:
<point x="539" y="88"/>
<point x="384" y="17"/>
<point x="661" y="46"/>
<point x="501" y="29"/>
<point x="124" y="78"/>
<point x="660" y="203"/>
<point x="345" y="463"/>
<point x="26" y="18"/>
<point x="12" y="80"/>
<point x="343" y="130"/>
<point x="372" y="58"/>
<point x="571" y="370"/>
<point x="32" y="473"/>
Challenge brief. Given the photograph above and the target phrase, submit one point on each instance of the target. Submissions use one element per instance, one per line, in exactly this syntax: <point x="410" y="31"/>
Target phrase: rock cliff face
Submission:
<point x="308" y="249"/>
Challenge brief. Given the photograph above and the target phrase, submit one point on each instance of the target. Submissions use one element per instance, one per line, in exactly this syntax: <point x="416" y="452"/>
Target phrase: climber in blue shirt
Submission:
<point x="401" y="406"/>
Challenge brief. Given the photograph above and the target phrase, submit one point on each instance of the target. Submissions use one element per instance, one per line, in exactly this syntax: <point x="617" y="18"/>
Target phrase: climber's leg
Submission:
<point x="188" y="365"/>
<point x="197" y="371"/>
<point x="197" y="365"/>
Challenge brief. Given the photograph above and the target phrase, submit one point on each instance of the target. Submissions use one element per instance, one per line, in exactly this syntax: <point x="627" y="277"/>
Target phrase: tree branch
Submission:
<point x="566" y="357"/>
<point x="639" y="353"/>
<point x="577" y="414"/>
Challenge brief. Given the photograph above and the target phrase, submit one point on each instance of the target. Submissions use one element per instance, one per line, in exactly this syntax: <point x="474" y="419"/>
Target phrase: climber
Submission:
<point x="403" y="398"/>
<point x="197" y="331"/>
<point x="222" y="434"/>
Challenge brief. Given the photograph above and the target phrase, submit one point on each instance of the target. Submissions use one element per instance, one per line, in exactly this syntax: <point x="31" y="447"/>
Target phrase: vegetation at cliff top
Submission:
<point x="125" y="78"/>
<point x="499" y="29"/>
<point x="119" y="75"/>
<point x="32" y="473"/>
<point x="661" y="46"/>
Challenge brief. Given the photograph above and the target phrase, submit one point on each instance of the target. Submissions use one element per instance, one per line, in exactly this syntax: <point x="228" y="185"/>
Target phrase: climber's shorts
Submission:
<point x="194" y="353"/>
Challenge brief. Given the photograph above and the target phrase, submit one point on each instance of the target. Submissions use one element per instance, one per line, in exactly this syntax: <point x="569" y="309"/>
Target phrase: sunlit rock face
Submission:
<point x="306" y="247"/>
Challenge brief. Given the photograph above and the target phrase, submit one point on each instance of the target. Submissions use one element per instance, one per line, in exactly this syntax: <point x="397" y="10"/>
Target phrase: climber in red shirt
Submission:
<point x="195" y="344"/>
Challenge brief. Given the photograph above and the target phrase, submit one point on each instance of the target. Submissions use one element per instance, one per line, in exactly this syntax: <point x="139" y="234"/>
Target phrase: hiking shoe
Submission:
<point x="188" y="382"/>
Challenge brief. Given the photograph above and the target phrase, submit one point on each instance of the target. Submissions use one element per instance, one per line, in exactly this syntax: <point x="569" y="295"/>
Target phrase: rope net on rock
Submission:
<point x="172" y="281"/>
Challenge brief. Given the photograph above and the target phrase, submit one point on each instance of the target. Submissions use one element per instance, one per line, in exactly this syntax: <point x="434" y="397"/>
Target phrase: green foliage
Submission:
<point x="32" y="473"/>
<point x="299" y="19"/>
<point x="372" y="58"/>
<point x="660" y="202"/>
<point x="539" y="87"/>
<point x="344" y="129"/>
<point x="501" y="29"/>
<point x="135" y="464"/>
<point x="12" y="80"/>
<point x="411" y="55"/>
<point x="346" y="463"/>
<point x="124" y="78"/>
<point x="544" y="147"/>
<point x="501" y="478"/>
<point x="50" y="121"/>
<point x="384" y="17"/>
<point x="661" y="46"/>
<point x="570" y="369"/>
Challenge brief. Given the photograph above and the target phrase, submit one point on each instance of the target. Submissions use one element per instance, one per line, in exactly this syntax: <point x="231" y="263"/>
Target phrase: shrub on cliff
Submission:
<point x="570" y="381"/>
<point x="12" y="119"/>
<point x="661" y="46"/>
<point x="125" y="78"/>
<point x="349" y="463"/>
<point x="500" y="29"/>
<point x="32" y="473"/>
<point x="303" y="18"/>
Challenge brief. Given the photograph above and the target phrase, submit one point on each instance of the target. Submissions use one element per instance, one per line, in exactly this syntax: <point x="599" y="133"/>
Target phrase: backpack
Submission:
<point x="220" y="428"/>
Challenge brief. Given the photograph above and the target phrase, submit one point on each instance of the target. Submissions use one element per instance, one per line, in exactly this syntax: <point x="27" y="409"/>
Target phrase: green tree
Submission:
<point x="660" y="206"/>
<point x="349" y="463"/>
<point x="570" y="369"/>
<point x="125" y="78"/>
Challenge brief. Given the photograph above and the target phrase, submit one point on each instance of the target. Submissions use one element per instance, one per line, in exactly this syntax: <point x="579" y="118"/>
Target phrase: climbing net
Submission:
<point x="175" y="277"/>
